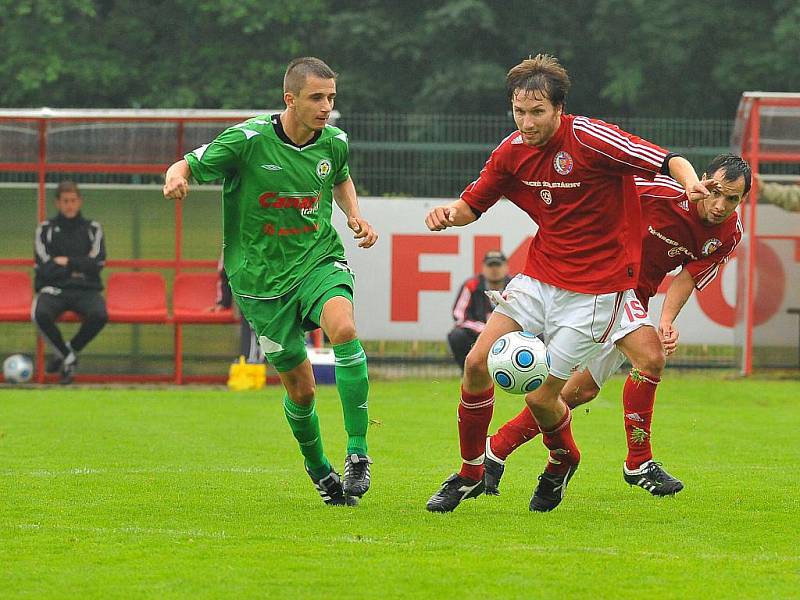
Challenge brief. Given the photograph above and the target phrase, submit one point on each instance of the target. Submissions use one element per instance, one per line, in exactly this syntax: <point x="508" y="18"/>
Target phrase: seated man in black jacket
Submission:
<point x="70" y="252"/>
<point x="472" y="308"/>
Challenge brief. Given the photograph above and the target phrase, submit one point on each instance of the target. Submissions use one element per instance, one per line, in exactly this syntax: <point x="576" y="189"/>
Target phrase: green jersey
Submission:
<point x="277" y="202"/>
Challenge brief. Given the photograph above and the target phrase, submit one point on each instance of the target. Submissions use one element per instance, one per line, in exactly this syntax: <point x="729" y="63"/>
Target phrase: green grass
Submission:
<point x="161" y="493"/>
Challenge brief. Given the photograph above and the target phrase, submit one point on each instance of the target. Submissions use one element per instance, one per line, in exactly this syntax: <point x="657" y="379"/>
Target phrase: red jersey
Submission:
<point x="674" y="235"/>
<point x="579" y="189"/>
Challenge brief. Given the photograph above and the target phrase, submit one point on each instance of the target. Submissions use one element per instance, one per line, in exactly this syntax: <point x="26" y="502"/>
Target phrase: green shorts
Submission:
<point x="281" y="323"/>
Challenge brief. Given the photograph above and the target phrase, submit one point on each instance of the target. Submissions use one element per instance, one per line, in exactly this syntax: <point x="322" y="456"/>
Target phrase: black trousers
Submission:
<point x="461" y="341"/>
<point x="50" y="303"/>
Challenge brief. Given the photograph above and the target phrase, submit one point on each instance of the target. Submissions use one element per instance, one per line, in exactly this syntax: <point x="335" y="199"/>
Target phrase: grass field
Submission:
<point x="161" y="493"/>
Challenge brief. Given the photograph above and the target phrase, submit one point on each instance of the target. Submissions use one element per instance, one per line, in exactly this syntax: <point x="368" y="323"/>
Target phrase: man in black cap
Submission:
<point x="472" y="308"/>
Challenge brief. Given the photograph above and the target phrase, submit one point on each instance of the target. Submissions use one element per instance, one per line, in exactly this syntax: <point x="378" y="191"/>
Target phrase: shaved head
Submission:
<point x="300" y="68"/>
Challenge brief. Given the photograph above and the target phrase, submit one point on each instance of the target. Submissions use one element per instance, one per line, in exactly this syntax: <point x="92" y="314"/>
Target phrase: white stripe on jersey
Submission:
<point x="41" y="251"/>
<point x="675" y="192"/>
<point x="668" y="181"/>
<point x="613" y="138"/>
<point x="661" y="180"/>
<point x="614" y="134"/>
<point x="593" y="149"/>
<point x="98" y="239"/>
<point x="707" y="276"/>
<point x="460" y="311"/>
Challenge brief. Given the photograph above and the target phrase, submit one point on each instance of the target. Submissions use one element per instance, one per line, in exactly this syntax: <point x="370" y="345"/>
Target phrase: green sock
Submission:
<point x="304" y="423"/>
<point x="353" y="385"/>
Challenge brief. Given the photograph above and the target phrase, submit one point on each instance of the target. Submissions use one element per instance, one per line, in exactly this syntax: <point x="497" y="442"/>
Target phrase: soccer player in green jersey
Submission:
<point x="285" y="261"/>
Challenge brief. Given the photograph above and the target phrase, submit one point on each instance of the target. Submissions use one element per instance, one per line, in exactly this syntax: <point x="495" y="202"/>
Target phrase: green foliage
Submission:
<point x="626" y="57"/>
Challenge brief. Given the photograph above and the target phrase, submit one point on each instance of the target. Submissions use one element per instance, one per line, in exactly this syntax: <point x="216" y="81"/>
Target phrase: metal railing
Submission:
<point x="437" y="155"/>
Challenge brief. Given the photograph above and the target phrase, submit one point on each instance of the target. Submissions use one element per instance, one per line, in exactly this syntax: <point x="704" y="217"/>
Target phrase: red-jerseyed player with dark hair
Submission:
<point x="699" y="238"/>
<point x="574" y="177"/>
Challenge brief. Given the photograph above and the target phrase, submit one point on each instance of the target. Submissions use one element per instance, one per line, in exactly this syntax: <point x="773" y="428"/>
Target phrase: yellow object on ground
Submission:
<point x="245" y="376"/>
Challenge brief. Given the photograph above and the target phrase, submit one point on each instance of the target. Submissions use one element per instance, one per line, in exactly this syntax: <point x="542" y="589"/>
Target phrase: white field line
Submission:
<point x="191" y="533"/>
<point x="136" y="471"/>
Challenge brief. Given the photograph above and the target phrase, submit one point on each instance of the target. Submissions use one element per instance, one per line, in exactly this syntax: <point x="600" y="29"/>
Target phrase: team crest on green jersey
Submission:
<point x="324" y="168"/>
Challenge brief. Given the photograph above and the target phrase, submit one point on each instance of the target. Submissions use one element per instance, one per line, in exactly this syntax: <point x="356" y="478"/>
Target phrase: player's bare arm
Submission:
<point x="347" y="200"/>
<point x="678" y="293"/>
<point x="455" y="214"/>
<point x="682" y="171"/>
<point x="176" y="181"/>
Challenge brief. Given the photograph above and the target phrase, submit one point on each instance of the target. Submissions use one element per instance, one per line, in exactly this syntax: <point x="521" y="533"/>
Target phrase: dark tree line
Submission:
<point x="668" y="58"/>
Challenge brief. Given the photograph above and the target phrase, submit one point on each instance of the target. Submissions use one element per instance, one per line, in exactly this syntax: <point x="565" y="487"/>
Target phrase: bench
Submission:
<point x="137" y="297"/>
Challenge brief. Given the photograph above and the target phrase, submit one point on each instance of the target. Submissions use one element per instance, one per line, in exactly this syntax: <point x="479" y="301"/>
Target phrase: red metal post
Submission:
<point x="178" y="243"/>
<point x="41" y="213"/>
<point x="755" y="148"/>
<point x="179" y="353"/>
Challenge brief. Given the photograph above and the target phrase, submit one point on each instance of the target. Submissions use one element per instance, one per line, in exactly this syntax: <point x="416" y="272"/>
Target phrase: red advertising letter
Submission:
<point x="407" y="280"/>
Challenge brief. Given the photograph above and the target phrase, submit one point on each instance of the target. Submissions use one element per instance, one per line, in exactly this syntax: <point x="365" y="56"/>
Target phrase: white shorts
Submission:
<point x="575" y="325"/>
<point x="610" y="359"/>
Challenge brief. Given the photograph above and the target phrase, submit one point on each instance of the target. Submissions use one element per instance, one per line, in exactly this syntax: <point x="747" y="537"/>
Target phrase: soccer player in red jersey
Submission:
<point x="574" y="177"/>
<point x="699" y="238"/>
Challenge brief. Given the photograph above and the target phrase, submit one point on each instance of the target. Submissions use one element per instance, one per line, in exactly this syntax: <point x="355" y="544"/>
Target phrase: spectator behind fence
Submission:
<point x="472" y="308"/>
<point x="70" y="252"/>
<point x="248" y="343"/>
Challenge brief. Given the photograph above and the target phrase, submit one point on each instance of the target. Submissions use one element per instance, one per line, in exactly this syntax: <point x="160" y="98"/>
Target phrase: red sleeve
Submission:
<point x="662" y="188"/>
<point x="616" y="150"/>
<point x="704" y="270"/>
<point x="487" y="189"/>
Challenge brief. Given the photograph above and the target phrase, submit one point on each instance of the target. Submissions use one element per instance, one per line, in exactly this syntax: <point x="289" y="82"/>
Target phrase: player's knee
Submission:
<point x="546" y="396"/>
<point x="97" y="317"/>
<point x="342" y="333"/>
<point x="302" y="393"/>
<point x="475" y="365"/>
<point x="652" y="363"/>
<point x="576" y="396"/>
<point x="42" y="316"/>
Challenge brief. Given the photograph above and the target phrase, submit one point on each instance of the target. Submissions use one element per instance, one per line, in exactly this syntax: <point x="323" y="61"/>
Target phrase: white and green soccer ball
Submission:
<point x="17" y="368"/>
<point x="518" y="362"/>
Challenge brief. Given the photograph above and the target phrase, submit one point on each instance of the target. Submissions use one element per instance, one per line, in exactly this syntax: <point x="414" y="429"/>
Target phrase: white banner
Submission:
<point x="406" y="284"/>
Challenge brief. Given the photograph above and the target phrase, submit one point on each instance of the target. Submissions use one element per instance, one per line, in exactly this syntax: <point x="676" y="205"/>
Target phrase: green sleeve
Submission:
<point x="220" y="158"/>
<point x="343" y="172"/>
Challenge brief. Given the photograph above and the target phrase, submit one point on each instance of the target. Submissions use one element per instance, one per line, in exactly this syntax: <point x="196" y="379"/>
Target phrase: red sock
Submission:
<point x="638" y="397"/>
<point x="514" y="433"/>
<point x="564" y="451"/>
<point x="474" y="416"/>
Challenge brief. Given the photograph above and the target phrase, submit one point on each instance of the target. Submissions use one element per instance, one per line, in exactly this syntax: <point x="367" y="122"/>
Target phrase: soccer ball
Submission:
<point x="17" y="368"/>
<point x="519" y="362"/>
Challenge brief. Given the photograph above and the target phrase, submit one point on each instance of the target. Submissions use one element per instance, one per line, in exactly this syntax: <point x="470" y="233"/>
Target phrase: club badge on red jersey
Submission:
<point x="563" y="163"/>
<point x="711" y="246"/>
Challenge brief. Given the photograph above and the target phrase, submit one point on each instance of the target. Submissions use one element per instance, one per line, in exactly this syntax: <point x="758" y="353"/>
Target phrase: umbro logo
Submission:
<point x="272" y="167"/>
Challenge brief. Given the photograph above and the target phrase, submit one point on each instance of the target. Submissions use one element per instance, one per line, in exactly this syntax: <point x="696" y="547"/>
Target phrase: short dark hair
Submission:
<point x="733" y="166"/>
<point x="300" y="68"/>
<point x="542" y="73"/>
<point x="67" y="186"/>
